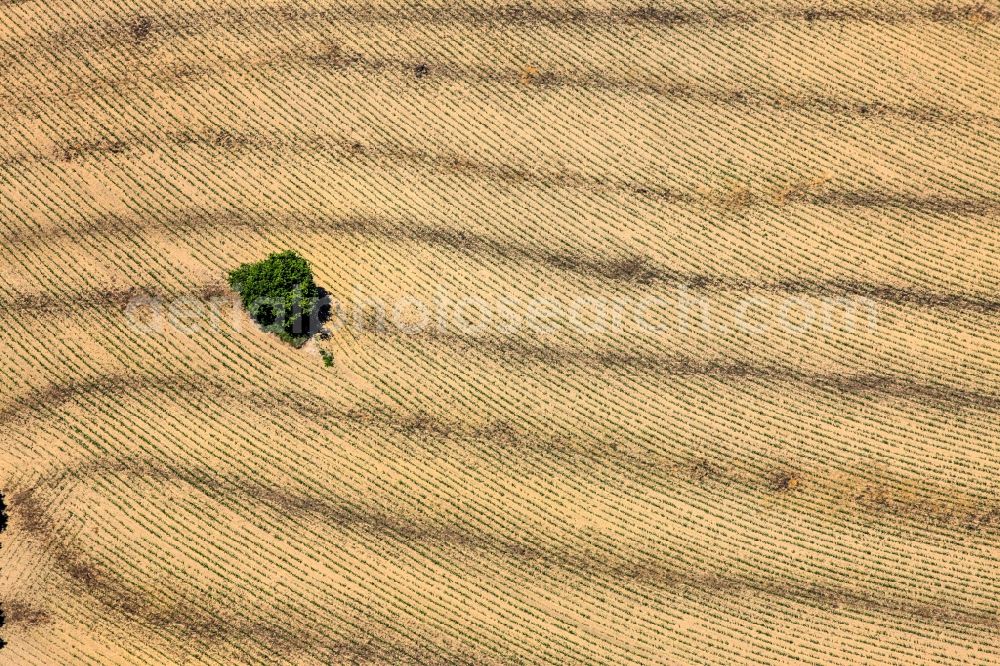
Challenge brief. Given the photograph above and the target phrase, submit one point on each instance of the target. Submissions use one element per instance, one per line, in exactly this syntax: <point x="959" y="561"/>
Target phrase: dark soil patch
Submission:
<point x="18" y="612"/>
<point x="141" y="28"/>
<point x="782" y="480"/>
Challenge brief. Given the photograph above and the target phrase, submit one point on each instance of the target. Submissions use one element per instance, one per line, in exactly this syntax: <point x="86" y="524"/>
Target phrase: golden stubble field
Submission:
<point x="690" y="351"/>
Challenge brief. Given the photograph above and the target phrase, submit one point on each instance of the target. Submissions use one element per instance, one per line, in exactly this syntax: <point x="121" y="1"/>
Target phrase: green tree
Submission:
<point x="280" y="294"/>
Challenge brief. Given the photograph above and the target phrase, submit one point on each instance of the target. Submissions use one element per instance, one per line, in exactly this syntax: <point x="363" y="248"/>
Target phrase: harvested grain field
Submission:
<point x="662" y="333"/>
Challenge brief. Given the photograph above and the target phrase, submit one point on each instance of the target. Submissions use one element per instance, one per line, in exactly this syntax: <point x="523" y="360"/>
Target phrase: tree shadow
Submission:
<point x="295" y="327"/>
<point x="324" y="306"/>
<point x="304" y="325"/>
